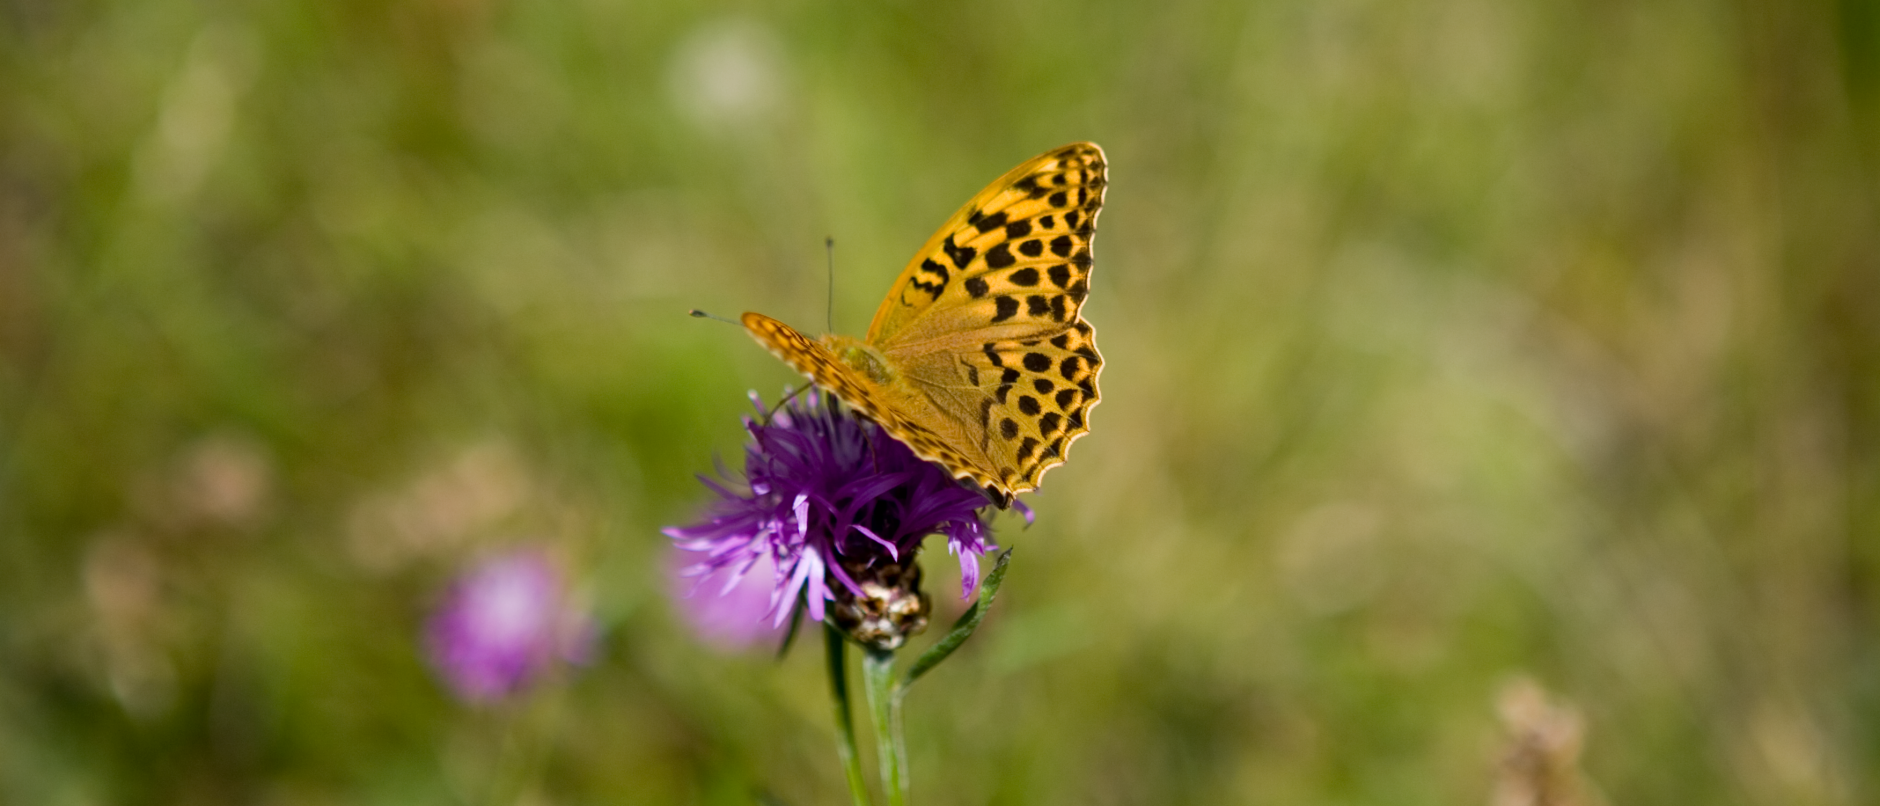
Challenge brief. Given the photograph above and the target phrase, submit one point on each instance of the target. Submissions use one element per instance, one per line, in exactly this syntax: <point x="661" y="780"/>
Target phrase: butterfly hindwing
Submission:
<point x="1036" y="397"/>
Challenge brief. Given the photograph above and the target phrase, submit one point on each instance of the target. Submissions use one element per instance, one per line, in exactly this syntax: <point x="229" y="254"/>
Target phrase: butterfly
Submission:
<point x="979" y="359"/>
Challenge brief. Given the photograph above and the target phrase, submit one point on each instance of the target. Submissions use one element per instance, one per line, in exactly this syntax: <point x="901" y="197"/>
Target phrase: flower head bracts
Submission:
<point x="825" y="491"/>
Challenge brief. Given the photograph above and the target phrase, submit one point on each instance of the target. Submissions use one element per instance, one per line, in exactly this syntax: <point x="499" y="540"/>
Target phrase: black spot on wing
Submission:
<point x="1059" y="199"/>
<point x="977" y="287"/>
<point x="1043" y="385"/>
<point x="1066" y="398"/>
<point x="1070" y="219"/>
<point x="1018" y="229"/>
<point x="1008" y="308"/>
<point x="1008" y="428"/>
<point x="1048" y="424"/>
<point x="932" y="288"/>
<point x="1026" y="449"/>
<point x="1068" y="369"/>
<point x="1031" y="248"/>
<point x="992" y="355"/>
<point x="1058" y="311"/>
<point x="1037" y="305"/>
<point x="960" y="255"/>
<point x="1000" y="256"/>
<point x="991" y="222"/>
<point x="1062" y="341"/>
<point x="1039" y="362"/>
<point x="1009" y="376"/>
<point x="1046" y="222"/>
<point x="1061" y="246"/>
<point x="1082" y="259"/>
<point x="1027" y="276"/>
<point x="1060" y="275"/>
<point x="1028" y="405"/>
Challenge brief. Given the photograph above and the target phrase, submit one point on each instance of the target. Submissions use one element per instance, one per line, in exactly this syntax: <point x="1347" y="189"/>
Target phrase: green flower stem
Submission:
<point x="845" y="722"/>
<point x="884" y="702"/>
<point x="885" y="693"/>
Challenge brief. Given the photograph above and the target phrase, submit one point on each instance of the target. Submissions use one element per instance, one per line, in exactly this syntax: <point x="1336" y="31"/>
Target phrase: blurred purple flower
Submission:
<point x="504" y="623"/>
<point x="828" y="496"/>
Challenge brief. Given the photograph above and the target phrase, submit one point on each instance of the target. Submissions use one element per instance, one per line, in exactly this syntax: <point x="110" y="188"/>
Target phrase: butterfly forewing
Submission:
<point x="1015" y="259"/>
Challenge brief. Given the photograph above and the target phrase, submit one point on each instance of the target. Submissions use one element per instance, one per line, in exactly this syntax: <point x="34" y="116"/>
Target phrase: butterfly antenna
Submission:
<point x="786" y="398"/>
<point x="698" y="314"/>
<point x="829" y="245"/>
<point x="874" y="459"/>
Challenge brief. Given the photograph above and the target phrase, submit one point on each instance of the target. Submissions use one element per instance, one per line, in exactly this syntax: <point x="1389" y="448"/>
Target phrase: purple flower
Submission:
<point x="732" y="617"/>
<point x="504" y="623"/>
<point x="839" y="508"/>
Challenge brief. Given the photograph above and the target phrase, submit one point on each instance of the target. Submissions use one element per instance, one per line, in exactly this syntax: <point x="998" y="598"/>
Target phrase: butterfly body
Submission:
<point x="979" y="358"/>
<point x="860" y="357"/>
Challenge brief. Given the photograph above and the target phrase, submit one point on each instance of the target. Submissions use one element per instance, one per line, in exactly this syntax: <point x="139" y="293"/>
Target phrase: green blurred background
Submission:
<point x="1449" y="343"/>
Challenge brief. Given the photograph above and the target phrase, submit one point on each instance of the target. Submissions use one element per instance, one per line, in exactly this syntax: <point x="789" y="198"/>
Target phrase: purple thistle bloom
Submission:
<point x="828" y="497"/>
<point x="504" y="623"/>
<point x="728" y="618"/>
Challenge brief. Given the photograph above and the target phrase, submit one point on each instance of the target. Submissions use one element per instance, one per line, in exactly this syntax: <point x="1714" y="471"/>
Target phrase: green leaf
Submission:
<point x="789" y="636"/>
<point x="962" y="629"/>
